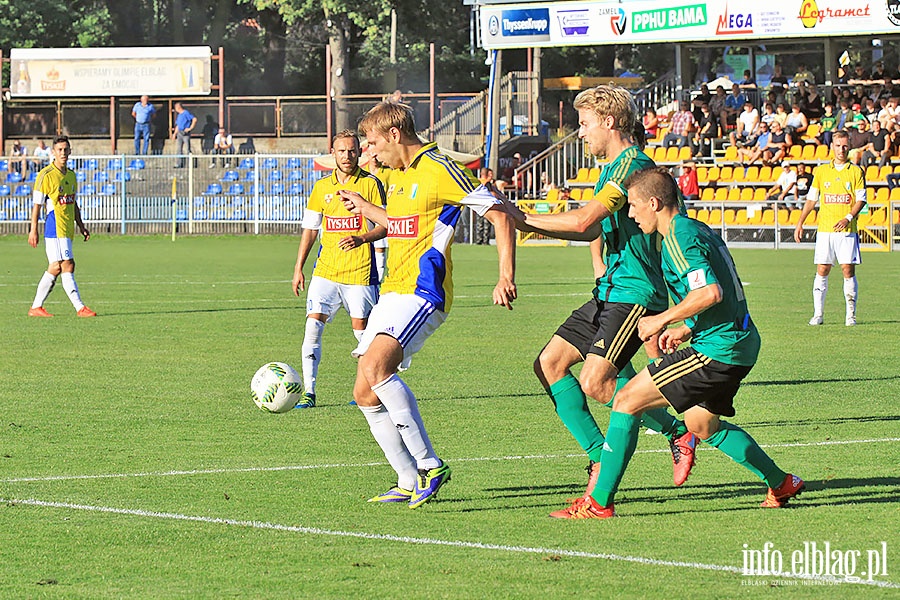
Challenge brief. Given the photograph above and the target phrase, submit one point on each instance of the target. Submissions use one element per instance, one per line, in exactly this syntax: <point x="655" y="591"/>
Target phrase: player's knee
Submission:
<point x="54" y="268"/>
<point x="598" y="385"/>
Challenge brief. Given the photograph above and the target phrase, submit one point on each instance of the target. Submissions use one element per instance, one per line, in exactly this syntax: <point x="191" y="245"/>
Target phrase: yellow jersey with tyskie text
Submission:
<point x="58" y="192"/>
<point x="837" y="190"/>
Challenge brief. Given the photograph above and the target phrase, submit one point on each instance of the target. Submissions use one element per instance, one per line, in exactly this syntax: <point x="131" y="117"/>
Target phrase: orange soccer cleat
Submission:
<point x="85" y="312"/>
<point x="40" y="311"/>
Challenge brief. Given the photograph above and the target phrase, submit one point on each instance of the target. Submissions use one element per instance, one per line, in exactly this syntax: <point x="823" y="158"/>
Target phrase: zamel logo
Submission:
<point x="493" y="25"/>
<point x="808" y="11"/>
<point x="527" y="22"/>
<point x="618" y="22"/>
<point x="734" y="23"/>
<point x="403" y="227"/>
<point x="893" y="11"/>
<point x="573" y="23"/>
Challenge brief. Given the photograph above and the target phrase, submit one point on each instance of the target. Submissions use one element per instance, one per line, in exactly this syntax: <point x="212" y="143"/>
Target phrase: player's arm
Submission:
<point x="580" y="224"/>
<point x="358" y="205"/>
<point x="697" y="301"/>
<point x="38" y="198"/>
<point x="84" y="230"/>
<point x="307" y="241"/>
<point x="354" y="241"/>
<point x="505" y="235"/>
<point x="597" y="261"/>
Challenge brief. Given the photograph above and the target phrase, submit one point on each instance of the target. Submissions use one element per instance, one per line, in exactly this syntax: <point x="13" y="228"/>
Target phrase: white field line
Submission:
<point x="375" y="464"/>
<point x="433" y="542"/>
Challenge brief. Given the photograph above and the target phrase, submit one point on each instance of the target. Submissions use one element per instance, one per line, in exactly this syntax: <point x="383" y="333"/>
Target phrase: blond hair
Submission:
<point x="386" y="115"/>
<point x="345" y="134"/>
<point x="615" y="102"/>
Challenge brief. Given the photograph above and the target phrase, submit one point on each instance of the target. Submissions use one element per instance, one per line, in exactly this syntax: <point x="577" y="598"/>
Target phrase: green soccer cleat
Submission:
<point x="428" y="483"/>
<point x="395" y="494"/>
<point x="307" y="401"/>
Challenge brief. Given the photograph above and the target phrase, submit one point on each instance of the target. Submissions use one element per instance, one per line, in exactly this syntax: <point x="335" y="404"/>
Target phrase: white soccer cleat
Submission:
<point x="816" y="320"/>
<point x="851" y="321"/>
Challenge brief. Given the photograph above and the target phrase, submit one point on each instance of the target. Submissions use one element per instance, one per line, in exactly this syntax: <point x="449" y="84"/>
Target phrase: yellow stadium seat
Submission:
<point x="734" y="194"/>
<point x="882" y="195"/>
<point x="701" y="175"/>
<point x="755" y="218"/>
<point x="692" y="213"/>
<point x="741" y="217"/>
<point x="822" y="152"/>
<point x="768" y="217"/>
<point x="552" y="195"/>
<point x="721" y="194"/>
<point x="878" y="218"/>
<point x="884" y="172"/>
<point x="765" y="173"/>
<point x="661" y="154"/>
<point x="747" y="194"/>
<point x="872" y="173"/>
<point x="870" y="195"/>
<point x="795" y="151"/>
<point x="702" y="215"/>
<point x="813" y="218"/>
<point x="715" y="218"/>
<point x="752" y="173"/>
<point x="812" y="131"/>
<point x="895" y="195"/>
<point x="795" y="217"/>
<point x="863" y="220"/>
<point x="730" y="154"/>
<point x="707" y="194"/>
<point x="684" y="153"/>
<point x="897" y="169"/>
<point x="593" y="175"/>
<point x="672" y="154"/>
<point x="809" y="152"/>
<point x="726" y="174"/>
<point x="713" y="174"/>
<point x="729" y="216"/>
<point x="759" y="194"/>
<point x="739" y="175"/>
<point x="583" y="174"/>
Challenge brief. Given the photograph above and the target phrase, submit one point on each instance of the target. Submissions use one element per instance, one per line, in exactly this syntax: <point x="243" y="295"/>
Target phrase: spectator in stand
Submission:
<point x="745" y="126"/>
<point x="748" y="84"/>
<point x="703" y="97"/>
<point x="768" y="113"/>
<point x="887" y="91"/>
<point x="811" y="104"/>
<point x="208" y="141"/>
<point x="508" y="179"/>
<point x="687" y="182"/>
<point x="859" y="75"/>
<point x="184" y="125"/>
<point x="143" y="112"/>
<point x="893" y="180"/>
<point x="878" y="73"/>
<point x="651" y="123"/>
<point x="781" y="114"/>
<point x="747" y="155"/>
<point x="733" y="104"/>
<point x="858" y="138"/>
<point x="796" y="123"/>
<point x="889" y="114"/>
<point x="18" y="160"/>
<point x="707" y="131"/>
<point x="870" y="110"/>
<point x="804" y="182"/>
<point x="844" y="117"/>
<point x="878" y="148"/>
<point x="223" y="145"/>
<point x="776" y="150"/>
<point x="827" y="124"/>
<point x="681" y="126"/>
<point x="803" y="74"/>
<point x="717" y="106"/>
<point x="779" y="84"/>
<point x="784" y="189"/>
<point x="42" y="156"/>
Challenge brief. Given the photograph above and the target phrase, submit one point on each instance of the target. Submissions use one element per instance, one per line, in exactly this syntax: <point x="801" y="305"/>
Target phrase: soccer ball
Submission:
<point x="276" y="387"/>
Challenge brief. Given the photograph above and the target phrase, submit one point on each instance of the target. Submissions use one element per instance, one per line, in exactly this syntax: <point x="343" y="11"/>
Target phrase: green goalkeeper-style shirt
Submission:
<point x="633" y="271"/>
<point x="694" y="256"/>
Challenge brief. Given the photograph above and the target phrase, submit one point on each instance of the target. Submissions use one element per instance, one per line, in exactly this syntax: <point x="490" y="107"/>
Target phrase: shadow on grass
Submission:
<point x="807" y="381"/>
<point x="193" y="311"/>
<point x="823" y="421"/>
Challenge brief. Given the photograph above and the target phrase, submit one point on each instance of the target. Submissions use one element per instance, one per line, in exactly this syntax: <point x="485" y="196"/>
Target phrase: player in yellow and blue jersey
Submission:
<point x="55" y="189"/>
<point x="425" y="198"/>
<point x="840" y="189"/>
<point x="344" y="273"/>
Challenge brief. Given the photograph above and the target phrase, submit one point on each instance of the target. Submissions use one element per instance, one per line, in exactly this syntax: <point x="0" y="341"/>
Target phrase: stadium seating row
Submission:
<point x="877" y="195"/>
<point x="294" y="189"/>
<point x="715" y="217"/>
<point x="273" y="175"/>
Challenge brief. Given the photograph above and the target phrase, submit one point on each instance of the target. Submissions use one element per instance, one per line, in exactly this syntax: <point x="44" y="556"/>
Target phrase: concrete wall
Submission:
<point x="89" y="147"/>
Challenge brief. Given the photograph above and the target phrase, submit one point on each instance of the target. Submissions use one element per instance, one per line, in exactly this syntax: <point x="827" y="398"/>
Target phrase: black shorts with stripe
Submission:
<point x="608" y="329"/>
<point x="687" y="378"/>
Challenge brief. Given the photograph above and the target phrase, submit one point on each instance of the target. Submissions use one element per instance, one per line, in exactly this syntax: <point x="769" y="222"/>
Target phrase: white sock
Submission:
<point x="851" y="287"/>
<point x="358" y="333"/>
<point x="379" y="265"/>
<point x="45" y="286"/>
<point x="400" y="403"/>
<point x="68" y="281"/>
<point x="311" y="353"/>
<point x="820" y="288"/>
<point x="387" y="436"/>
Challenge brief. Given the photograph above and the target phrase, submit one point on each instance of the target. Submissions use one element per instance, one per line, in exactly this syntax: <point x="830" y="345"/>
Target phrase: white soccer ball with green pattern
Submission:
<point x="276" y="387"/>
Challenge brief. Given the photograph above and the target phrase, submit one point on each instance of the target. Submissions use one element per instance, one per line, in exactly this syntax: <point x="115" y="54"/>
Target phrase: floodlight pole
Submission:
<point x="328" y="98"/>
<point x="431" y="94"/>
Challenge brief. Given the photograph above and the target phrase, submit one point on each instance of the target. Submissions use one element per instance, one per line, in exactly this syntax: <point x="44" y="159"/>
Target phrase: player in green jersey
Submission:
<point x="603" y="332"/>
<point x="699" y="380"/>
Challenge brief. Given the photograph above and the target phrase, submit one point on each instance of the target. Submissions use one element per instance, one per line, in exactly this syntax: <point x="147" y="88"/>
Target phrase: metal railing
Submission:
<point x="554" y="166"/>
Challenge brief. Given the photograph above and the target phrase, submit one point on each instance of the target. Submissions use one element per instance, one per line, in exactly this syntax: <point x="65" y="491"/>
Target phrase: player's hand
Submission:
<point x="798" y="233"/>
<point x="650" y="326"/>
<point x="514" y="211"/>
<point x="298" y="283"/>
<point x="85" y="233"/>
<point x="33" y="238"/>
<point x="350" y="242"/>
<point x="668" y="341"/>
<point x="842" y="225"/>
<point x="352" y="201"/>
<point x="505" y="292"/>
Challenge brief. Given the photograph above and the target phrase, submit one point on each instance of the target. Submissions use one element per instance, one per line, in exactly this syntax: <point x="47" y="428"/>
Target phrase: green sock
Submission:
<point x="621" y="440"/>
<point x="743" y="449"/>
<point x="572" y="408"/>
<point x="661" y="420"/>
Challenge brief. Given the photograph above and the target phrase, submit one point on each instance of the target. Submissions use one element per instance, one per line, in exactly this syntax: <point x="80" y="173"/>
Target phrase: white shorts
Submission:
<point x="382" y="243"/>
<point x="837" y="247"/>
<point x="405" y="317"/>
<point x="58" y="249"/>
<point x="326" y="297"/>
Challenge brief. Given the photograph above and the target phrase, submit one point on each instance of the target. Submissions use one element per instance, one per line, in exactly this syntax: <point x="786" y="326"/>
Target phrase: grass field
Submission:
<point x="134" y="465"/>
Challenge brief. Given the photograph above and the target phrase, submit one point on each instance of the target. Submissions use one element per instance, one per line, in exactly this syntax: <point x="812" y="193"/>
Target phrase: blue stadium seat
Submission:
<point x="251" y="189"/>
<point x="235" y="189"/>
<point x="246" y="163"/>
<point x="277" y="188"/>
<point x="231" y="175"/>
<point x="118" y="176"/>
<point x="213" y="189"/>
<point x="310" y="164"/>
<point x="200" y="215"/>
<point x="88" y="189"/>
<point x="14" y="177"/>
<point x="270" y="163"/>
<point x="293" y="163"/>
<point x="92" y="163"/>
<point x="4" y="164"/>
<point x="32" y="176"/>
<point x="274" y="176"/>
<point x="108" y="189"/>
<point x="4" y="190"/>
<point x="181" y="215"/>
<point x="295" y="175"/>
<point x="137" y="164"/>
<point x="114" y="163"/>
<point x="199" y="202"/>
<point x="249" y="175"/>
<point x="80" y="176"/>
<point x="101" y="176"/>
<point x="23" y="189"/>
<point x="296" y="189"/>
